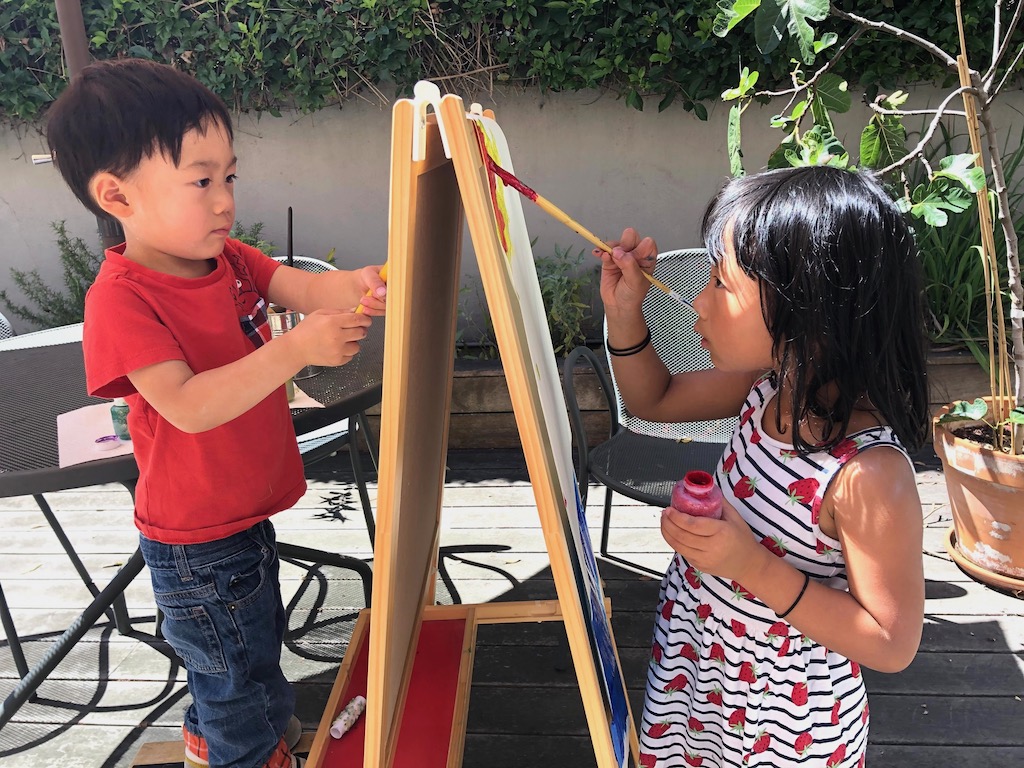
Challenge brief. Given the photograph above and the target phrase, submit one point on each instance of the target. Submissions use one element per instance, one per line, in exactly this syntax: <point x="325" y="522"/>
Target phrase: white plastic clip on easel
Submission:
<point x="426" y="94"/>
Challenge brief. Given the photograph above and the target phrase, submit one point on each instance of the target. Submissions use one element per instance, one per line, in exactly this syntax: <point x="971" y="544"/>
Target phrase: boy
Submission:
<point x="176" y="323"/>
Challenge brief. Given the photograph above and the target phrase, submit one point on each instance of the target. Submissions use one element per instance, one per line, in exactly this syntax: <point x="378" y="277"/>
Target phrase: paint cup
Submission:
<point x="281" y="321"/>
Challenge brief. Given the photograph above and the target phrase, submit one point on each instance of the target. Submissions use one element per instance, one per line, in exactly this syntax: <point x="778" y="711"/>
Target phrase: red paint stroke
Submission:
<point x="492" y="167"/>
<point x="510" y="180"/>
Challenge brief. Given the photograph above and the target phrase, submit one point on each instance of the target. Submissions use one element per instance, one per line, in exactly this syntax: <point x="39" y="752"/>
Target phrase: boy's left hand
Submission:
<point x="375" y="291"/>
<point x="725" y="548"/>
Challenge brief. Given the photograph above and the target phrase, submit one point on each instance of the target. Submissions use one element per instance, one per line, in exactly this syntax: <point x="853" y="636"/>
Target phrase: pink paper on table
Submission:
<point x="77" y="432"/>
<point x="302" y="400"/>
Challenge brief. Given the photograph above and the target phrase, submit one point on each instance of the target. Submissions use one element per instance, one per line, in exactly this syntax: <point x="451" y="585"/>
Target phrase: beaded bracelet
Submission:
<point x="785" y="613"/>
<point x="627" y="351"/>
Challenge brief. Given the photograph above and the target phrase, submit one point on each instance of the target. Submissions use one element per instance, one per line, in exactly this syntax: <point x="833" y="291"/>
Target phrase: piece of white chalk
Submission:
<point x="344" y="721"/>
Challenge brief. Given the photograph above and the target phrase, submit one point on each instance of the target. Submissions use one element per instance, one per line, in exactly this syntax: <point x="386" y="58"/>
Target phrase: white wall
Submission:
<point x="606" y="165"/>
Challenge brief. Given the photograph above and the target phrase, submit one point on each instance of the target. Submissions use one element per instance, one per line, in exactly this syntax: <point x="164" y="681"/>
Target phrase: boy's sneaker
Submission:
<point x="293" y="732"/>
<point x="283" y="758"/>
<point x="196" y="754"/>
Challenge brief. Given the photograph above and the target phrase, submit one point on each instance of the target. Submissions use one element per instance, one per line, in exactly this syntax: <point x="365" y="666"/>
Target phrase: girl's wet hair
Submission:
<point x="115" y="113"/>
<point x="841" y="292"/>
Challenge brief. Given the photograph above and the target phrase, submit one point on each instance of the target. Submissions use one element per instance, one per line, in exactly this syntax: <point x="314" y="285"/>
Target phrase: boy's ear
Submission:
<point x="108" y="192"/>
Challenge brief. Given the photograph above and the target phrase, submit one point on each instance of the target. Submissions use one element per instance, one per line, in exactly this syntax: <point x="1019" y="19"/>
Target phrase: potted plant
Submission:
<point x="979" y="442"/>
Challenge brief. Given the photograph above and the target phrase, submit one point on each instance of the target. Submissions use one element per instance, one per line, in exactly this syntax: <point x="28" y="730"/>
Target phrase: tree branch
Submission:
<point x="825" y="68"/>
<point x="927" y="135"/>
<point x="1006" y="75"/>
<point x="900" y="34"/>
<point x="1003" y="47"/>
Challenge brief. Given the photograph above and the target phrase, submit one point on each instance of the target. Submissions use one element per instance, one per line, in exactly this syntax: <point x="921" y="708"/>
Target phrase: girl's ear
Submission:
<point x="108" y="192"/>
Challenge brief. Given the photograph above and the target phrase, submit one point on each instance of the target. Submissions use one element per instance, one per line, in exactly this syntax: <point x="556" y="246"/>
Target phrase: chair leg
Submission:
<point x="371" y="446"/>
<point x="12" y="636"/>
<point x="118" y="612"/>
<point x="357" y="471"/>
<point x="296" y="552"/>
<point x="606" y="520"/>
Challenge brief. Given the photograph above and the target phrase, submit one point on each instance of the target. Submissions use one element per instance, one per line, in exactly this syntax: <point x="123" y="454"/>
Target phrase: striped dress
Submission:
<point x="729" y="683"/>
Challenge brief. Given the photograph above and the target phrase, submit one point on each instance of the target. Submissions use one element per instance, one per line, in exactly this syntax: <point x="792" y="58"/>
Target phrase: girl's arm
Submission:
<point x="647" y="388"/>
<point x="878" y="516"/>
<point x="336" y="289"/>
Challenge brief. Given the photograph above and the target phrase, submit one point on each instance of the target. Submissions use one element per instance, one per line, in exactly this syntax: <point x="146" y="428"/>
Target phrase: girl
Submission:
<point x="813" y="320"/>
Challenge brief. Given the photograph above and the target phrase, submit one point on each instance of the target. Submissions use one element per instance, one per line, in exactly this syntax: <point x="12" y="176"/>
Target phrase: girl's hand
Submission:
<point x="375" y="290"/>
<point x="725" y="548"/>
<point x="623" y="288"/>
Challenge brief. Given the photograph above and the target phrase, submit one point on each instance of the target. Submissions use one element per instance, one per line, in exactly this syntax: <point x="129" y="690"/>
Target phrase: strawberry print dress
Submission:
<point x="729" y="683"/>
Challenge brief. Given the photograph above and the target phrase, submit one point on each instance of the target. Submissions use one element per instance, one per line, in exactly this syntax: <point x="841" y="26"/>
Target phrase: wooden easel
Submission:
<point x="413" y="660"/>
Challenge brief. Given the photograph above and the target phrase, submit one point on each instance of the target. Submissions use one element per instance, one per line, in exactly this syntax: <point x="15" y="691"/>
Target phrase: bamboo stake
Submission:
<point x="999" y="362"/>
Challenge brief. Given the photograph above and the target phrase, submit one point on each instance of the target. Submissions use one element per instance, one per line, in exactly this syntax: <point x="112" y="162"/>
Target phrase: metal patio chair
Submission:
<point x="643" y="459"/>
<point x="320" y="444"/>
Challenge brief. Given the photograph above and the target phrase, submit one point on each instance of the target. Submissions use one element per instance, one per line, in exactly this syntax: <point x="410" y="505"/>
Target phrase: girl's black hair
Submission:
<point x="115" y="113"/>
<point x="841" y="293"/>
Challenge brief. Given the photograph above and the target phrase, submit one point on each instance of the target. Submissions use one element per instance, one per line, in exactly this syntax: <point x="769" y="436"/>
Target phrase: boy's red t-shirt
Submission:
<point x="193" y="487"/>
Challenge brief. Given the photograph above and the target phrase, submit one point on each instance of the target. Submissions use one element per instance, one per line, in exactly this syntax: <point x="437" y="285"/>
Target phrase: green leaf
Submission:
<point x="732" y="12"/>
<point x="769" y="24"/>
<point x="797" y="15"/>
<point x="733" y="141"/>
<point x="832" y="91"/>
<point x="827" y="41"/>
<point x="882" y="142"/>
<point x="964" y="411"/>
<point x="963" y="170"/>
<point x="930" y="202"/>
<point x="1017" y="416"/>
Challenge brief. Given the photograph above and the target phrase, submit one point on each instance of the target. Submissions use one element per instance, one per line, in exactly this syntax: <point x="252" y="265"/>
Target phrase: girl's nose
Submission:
<point x="699" y="301"/>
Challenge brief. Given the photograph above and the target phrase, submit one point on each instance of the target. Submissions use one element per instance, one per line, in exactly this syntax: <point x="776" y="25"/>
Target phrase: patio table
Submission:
<point x="44" y="376"/>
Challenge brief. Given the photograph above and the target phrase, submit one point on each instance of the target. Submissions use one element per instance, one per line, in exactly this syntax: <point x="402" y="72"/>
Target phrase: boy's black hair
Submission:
<point x="115" y="113"/>
<point x="841" y="292"/>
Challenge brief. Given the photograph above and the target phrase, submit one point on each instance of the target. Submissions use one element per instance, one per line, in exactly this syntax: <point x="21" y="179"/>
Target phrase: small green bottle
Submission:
<point x="119" y="417"/>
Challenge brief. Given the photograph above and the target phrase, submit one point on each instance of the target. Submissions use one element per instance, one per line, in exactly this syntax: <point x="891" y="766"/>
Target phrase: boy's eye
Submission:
<point x="203" y="183"/>
<point x="232" y="178"/>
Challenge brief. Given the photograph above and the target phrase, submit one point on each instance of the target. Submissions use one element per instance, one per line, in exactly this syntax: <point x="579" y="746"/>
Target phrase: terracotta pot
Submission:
<point x="986" y="494"/>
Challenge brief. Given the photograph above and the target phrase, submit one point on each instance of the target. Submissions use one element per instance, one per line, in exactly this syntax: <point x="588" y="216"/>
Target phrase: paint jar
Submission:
<point x="281" y="321"/>
<point x="697" y="494"/>
<point x="119" y="418"/>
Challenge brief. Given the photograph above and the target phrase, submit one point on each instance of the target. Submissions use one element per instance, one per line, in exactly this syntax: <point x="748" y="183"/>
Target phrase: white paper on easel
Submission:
<point x="77" y="432"/>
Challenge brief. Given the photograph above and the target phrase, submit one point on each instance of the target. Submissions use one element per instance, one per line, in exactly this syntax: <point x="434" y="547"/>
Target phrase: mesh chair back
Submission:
<point x="307" y="263"/>
<point x="6" y="331"/>
<point x="672" y="336"/>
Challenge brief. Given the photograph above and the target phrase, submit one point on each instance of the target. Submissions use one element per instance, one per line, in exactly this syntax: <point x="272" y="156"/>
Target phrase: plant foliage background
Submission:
<point x="260" y="55"/>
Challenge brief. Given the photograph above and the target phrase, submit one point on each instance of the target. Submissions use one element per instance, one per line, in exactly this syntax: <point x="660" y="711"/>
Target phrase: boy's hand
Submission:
<point x="375" y="291"/>
<point x="725" y="548"/>
<point x="622" y="285"/>
<point x="329" y="336"/>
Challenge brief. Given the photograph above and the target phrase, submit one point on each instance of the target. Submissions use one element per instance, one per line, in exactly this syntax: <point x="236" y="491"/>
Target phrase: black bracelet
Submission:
<point x="627" y="351"/>
<point x="785" y="613"/>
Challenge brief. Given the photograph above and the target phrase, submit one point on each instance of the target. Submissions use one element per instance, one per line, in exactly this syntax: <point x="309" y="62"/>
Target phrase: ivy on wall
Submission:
<point x="311" y="54"/>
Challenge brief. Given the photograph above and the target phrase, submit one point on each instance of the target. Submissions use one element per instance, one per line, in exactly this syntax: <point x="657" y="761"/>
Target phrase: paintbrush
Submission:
<point x="553" y="210"/>
<point x="384" y="277"/>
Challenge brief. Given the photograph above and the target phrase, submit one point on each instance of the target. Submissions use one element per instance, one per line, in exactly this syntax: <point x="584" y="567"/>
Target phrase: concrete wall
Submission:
<point x="607" y="165"/>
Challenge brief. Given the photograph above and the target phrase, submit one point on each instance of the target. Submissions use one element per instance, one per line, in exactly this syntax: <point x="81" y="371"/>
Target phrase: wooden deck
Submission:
<point x="960" y="703"/>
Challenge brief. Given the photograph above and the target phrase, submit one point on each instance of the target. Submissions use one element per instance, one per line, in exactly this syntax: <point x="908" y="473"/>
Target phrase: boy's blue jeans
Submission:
<point x="224" y="617"/>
